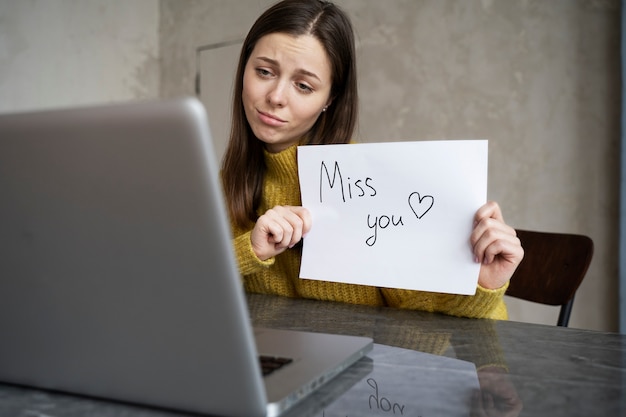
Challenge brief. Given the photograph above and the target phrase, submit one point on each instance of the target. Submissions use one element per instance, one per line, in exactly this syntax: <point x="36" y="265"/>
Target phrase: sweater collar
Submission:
<point x="282" y="164"/>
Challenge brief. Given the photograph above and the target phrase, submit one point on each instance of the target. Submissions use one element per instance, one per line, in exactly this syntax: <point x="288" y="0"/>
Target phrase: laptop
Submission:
<point x="117" y="274"/>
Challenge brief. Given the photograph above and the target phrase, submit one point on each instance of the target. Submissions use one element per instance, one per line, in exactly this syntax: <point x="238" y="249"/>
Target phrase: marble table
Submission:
<point x="422" y="365"/>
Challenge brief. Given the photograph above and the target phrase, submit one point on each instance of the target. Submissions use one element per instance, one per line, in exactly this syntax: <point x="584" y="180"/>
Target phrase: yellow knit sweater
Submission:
<point x="279" y="275"/>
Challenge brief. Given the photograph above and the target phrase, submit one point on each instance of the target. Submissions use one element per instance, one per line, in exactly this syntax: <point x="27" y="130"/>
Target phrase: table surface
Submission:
<point x="422" y="365"/>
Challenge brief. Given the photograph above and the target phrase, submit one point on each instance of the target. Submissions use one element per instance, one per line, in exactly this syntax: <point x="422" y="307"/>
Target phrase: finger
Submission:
<point x="496" y="242"/>
<point x="305" y="217"/>
<point x="491" y="209"/>
<point x="264" y="236"/>
<point x="282" y="227"/>
<point x="488" y="232"/>
<point x="276" y="233"/>
<point x="488" y="221"/>
<point x="271" y="232"/>
<point x="490" y="227"/>
<point x="295" y="220"/>
<point x="501" y="249"/>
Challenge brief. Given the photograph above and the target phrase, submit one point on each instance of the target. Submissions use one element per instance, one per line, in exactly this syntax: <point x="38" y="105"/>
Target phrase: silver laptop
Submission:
<point x="117" y="276"/>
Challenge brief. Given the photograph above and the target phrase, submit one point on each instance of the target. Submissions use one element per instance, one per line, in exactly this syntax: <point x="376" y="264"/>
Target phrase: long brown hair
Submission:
<point x="243" y="167"/>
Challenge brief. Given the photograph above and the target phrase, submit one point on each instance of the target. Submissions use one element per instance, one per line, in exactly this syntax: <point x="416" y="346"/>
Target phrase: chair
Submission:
<point x="553" y="267"/>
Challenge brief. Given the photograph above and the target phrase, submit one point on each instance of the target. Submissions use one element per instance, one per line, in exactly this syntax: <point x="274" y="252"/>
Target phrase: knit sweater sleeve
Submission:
<point x="485" y="303"/>
<point x="247" y="260"/>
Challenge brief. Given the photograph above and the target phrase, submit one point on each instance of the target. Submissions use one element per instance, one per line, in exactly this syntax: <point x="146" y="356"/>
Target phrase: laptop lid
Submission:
<point x="118" y="278"/>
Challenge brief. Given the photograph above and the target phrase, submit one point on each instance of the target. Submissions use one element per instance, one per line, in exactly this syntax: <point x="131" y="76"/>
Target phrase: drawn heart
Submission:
<point x="420" y="205"/>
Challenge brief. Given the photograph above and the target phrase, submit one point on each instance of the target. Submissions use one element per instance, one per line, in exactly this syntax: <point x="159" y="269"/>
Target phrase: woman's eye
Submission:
<point x="304" y="88"/>
<point x="263" y="72"/>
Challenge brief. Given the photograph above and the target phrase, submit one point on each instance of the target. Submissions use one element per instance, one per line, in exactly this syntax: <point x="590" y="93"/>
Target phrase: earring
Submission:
<point x="324" y="109"/>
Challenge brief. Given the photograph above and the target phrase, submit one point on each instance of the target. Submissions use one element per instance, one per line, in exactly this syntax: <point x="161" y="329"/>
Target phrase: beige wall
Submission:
<point x="59" y="53"/>
<point x="538" y="79"/>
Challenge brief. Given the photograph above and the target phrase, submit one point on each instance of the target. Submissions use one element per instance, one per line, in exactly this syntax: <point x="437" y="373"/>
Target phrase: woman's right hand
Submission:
<point x="279" y="228"/>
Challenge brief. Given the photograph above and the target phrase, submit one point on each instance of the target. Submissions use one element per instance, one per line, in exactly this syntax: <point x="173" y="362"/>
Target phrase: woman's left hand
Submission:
<point x="495" y="246"/>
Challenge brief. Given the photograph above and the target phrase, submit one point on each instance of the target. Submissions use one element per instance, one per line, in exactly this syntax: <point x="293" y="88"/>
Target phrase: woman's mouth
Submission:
<point x="270" y="119"/>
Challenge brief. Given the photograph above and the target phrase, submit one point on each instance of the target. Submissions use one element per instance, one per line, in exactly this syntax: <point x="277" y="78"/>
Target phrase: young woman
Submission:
<point x="296" y="85"/>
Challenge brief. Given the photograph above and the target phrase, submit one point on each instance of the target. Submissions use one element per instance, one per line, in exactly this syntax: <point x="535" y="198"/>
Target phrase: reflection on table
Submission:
<point x="423" y="365"/>
<point x="522" y="369"/>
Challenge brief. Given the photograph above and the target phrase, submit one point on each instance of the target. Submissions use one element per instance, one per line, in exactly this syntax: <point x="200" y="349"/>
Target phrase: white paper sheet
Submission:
<point x="396" y="215"/>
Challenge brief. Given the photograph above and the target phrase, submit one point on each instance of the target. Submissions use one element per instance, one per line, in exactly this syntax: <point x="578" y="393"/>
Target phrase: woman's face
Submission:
<point x="286" y="85"/>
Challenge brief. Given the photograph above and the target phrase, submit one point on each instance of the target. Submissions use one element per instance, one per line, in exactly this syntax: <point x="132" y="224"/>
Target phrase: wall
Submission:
<point x="59" y="53"/>
<point x="539" y="79"/>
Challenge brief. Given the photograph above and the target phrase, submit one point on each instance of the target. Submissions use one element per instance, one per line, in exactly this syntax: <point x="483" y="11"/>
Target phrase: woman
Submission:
<point x="296" y="85"/>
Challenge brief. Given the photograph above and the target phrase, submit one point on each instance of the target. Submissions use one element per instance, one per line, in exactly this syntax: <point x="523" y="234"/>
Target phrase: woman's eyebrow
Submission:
<point x="299" y="70"/>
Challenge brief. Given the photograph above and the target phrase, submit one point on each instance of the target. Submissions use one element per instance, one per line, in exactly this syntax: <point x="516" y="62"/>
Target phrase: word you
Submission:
<point x="382" y="403"/>
<point x="418" y="204"/>
<point x="378" y="403"/>
<point x="334" y="184"/>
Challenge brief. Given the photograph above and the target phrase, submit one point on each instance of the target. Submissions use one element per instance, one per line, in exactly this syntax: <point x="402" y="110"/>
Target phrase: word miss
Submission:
<point x="362" y="187"/>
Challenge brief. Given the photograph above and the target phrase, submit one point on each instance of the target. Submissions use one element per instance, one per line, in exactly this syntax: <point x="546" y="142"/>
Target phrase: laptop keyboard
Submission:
<point x="271" y="364"/>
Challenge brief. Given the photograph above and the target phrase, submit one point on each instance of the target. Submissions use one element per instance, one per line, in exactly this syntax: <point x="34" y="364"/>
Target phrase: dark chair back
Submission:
<point x="553" y="267"/>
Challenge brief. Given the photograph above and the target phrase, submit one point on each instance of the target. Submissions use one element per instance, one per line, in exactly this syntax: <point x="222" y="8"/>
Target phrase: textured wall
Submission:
<point x="58" y="53"/>
<point x="539" y="79"/>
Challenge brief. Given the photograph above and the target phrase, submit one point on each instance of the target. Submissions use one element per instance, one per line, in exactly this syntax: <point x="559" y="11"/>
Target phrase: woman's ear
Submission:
<point x="328" y="103"/>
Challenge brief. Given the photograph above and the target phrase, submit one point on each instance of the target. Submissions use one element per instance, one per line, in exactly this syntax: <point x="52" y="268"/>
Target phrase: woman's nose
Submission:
<point x="277" y="96"/>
